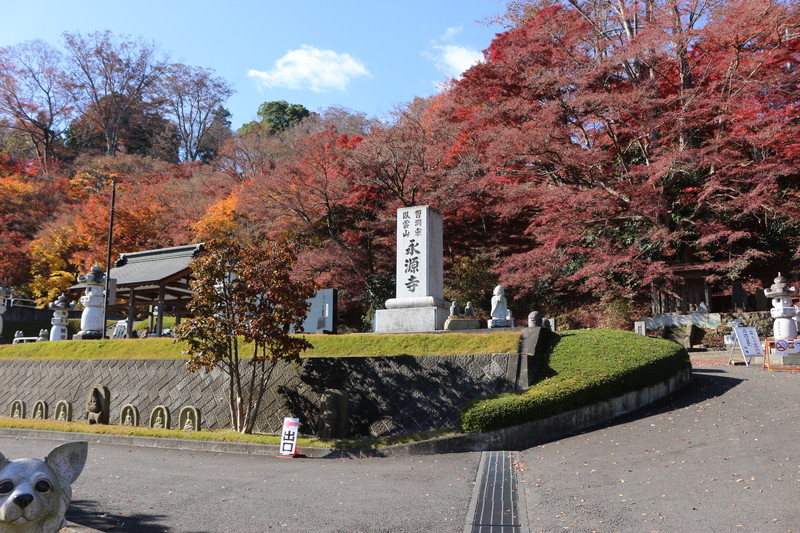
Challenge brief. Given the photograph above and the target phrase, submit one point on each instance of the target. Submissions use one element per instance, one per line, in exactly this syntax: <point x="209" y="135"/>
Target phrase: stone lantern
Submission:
<point x="783" y="309"/>
<point x="5" y="299"/>
<point x="92" y="326"/>
<point x="59" y="321"/>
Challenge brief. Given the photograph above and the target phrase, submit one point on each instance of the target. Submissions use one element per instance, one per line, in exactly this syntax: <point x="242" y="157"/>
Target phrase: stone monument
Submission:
<point x="129" y="415"/>
<point x="333" y="413"/>
<point x="501" y="315"/>
<point x="92" y="326"/>
<point x="98" y="404"/>
<point x="40" y="410"/>
<point x="60" y="318"/>
<point x="189" y="419"/>
<point x="458" y="322"/>
<point x="18" y="409"/>
<point x="64" y="411"/>
<point x="160" y="417"/>
<point x="784" y="328"/>
<point x="419" y="304"/>
<point x="5" y="301"/>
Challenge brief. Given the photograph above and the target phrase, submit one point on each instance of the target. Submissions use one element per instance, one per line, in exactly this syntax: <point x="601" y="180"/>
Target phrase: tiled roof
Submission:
<point x="153" y="266"/>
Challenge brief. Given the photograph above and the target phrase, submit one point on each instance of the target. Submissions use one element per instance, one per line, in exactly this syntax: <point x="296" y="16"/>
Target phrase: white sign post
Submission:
<point x="749" y="343"/>
<point x="289" y="438"/>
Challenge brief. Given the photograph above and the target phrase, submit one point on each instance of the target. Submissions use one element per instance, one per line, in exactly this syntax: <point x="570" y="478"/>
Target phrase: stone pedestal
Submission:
<point x="500" y="323"/>
<point x="410" y="320"/>
<point x="461" y="324"/>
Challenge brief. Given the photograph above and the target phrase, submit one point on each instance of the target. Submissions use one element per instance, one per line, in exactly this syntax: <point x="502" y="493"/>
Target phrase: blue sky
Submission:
<point x="365" y="56"/>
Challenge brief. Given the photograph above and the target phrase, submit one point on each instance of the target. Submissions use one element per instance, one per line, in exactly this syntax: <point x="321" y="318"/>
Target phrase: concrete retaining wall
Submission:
<point x="548" y="429"/>
<point x="387" y="395"/>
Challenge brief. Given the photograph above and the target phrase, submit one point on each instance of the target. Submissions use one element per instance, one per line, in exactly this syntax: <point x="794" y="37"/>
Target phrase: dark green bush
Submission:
<point x="31" y="328"/>
<point x="580" y="368"/>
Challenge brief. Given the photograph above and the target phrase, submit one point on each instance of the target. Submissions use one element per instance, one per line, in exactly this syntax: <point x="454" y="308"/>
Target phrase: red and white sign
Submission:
<point x="289" y="436"/>
<point x="784" y="348"/>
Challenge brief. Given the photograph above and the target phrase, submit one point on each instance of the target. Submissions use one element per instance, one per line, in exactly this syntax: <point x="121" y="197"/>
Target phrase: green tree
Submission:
<point x="245" y="299"/>
<point x="280" y="115"/>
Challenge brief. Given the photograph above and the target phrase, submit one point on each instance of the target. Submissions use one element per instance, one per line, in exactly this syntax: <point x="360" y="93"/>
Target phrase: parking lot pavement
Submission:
<point x="720" y="455"/>
<point x="143" y="490"/>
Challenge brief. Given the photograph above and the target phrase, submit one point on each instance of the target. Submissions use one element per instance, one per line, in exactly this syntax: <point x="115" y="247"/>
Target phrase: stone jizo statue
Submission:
<point x="35" y="493"/>
<point x="454" y="309"/>
<point x="535" y="319"/>
<point x="499" y="303"/>
<point x="97" y="408"/>
<point x="469" y="311"/>
<point x="501" y="316"/>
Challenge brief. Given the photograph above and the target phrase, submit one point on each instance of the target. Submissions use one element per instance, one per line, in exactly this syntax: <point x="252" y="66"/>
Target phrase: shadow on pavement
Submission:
<point x="705" y="385"/>
<point x="86" y="513"/>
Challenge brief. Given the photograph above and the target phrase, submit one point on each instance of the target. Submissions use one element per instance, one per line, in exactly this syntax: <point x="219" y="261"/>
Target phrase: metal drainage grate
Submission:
<point x="495" y="507"/>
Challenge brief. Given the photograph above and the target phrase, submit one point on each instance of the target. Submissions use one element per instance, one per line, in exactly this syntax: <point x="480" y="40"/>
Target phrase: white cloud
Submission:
<point x="311" y="68"/>
<point x="450" y="33"/>
<point x="452" y="59"/>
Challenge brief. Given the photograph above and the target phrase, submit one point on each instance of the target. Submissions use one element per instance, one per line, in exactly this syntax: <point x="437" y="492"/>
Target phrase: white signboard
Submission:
<point x="749" y="342"/>
<point x="289" y="436"/>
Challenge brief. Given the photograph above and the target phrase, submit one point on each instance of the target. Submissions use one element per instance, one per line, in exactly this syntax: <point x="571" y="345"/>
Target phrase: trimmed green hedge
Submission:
<point x="580" y="368"/>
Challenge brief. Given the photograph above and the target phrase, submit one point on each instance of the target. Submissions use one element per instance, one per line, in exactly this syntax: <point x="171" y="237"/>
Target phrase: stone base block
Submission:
<point x="412" y="320"/>
<point x="460" y="324"/>
<point x="500" y="323"/>
<point x="789" y="360"/>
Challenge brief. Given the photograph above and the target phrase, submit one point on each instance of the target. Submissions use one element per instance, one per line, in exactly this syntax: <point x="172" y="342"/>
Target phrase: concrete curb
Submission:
<point x="517" y="437"/>
<point x="155" y="442"/>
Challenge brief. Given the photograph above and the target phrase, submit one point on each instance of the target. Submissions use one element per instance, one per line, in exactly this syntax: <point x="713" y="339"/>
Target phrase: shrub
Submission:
<point x="580" y="368"/>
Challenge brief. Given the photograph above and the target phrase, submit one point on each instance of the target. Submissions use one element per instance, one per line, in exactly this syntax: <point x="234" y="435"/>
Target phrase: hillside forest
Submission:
<point x="600" y="145"/>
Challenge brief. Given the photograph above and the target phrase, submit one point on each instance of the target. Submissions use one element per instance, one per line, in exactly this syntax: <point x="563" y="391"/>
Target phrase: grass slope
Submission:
<point x="582" y="367"/>
<point x="364" y="345"/>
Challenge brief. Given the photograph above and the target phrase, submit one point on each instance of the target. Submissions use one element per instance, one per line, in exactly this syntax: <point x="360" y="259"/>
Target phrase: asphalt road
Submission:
<point x="722" y="455"/>
<point x="143" y="490"/>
